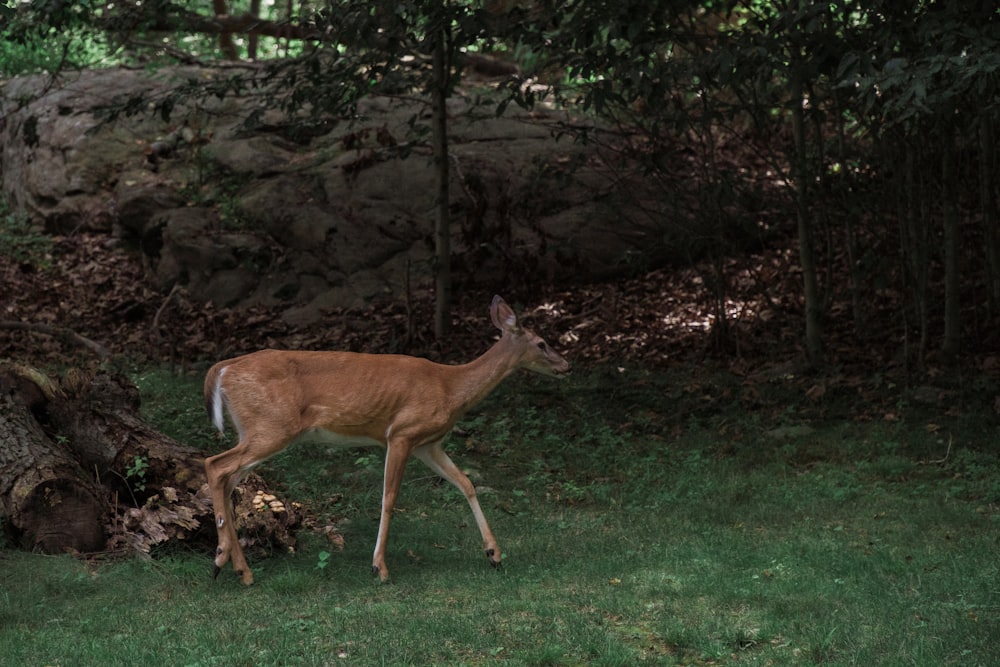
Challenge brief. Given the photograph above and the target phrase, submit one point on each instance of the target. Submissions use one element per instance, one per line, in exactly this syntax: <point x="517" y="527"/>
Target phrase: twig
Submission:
<point x="58" y="332"/>
<point x="159" y="312"/>
<point x="173" y="52"/>
<point x="155" y="326"/>
<point x="942" y="460"/>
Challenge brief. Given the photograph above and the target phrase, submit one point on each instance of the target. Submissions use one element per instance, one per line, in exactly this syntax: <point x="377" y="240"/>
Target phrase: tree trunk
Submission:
<point x="442" y="225"/>
<point x="807" y="257"/>
<point x="855" y="275"/>
<point x="988" y="195"/>
<point x="914" y="234"/>
<point x="80" y="471"/>
<point x="253" y="38"/>
<point x="226" y="43"/>
<point x="952" y="248"/>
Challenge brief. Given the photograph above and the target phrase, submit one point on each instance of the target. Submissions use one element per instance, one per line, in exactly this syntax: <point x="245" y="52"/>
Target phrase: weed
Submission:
<point x="136" y="472"/>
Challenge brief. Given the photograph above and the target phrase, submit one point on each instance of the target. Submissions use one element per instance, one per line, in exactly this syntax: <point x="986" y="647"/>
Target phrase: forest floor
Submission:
<point x="666" y="318"/>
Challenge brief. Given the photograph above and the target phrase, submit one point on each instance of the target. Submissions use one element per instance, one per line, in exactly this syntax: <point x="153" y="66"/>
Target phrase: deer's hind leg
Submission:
<point x="224" y="471"/>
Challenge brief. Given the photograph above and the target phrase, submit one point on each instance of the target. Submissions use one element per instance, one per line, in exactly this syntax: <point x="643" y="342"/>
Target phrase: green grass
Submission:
<point x="640" y="524"/>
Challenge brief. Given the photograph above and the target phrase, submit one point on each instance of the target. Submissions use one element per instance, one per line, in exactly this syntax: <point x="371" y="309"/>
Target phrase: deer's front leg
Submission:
<point x="436" y="459"/>
<point x="395" y="463"/>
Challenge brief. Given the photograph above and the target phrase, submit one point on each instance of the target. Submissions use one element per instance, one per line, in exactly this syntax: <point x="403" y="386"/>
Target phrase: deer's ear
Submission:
<point x="502" y="315"/>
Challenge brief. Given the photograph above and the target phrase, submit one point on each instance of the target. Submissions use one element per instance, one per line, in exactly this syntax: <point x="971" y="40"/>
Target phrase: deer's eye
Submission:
<point x="542" y="345"/>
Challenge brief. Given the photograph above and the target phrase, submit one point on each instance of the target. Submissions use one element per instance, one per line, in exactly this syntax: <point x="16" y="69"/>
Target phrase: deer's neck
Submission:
<point x="481" y="376"/>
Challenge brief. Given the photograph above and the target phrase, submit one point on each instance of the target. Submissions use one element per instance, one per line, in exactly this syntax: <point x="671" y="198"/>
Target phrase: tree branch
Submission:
<point x="218" y="25"/>
<point x="58" y="332"/>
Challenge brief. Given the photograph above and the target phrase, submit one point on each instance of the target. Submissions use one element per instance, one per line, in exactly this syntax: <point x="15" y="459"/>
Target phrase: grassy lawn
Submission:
<point x="645" y="518"/>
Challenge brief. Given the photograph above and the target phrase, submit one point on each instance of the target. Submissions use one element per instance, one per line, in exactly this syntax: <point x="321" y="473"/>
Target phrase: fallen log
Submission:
<point x="48" y="502"/>
<point x="80" y="471"/>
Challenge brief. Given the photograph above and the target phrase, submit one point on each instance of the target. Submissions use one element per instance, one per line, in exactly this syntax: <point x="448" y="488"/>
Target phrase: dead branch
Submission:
<point x="57" y="332"/>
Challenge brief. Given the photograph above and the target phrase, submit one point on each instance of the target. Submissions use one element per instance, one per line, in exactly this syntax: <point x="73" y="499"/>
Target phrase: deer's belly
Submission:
<point x="321" y="436"/>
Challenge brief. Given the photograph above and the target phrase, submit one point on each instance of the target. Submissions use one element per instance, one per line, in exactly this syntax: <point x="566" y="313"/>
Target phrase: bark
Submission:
<point x="49" y="503"/>
<point x="989" y="193"/>
<point x="226" y="43"/>
<point x="952" y="250"/>
<point x="807" y="256"/>
<point x="81" y="471"/>
<point x="915" y="246"/>
<point x="855" y="277"/>
<point x="253" y="39"/>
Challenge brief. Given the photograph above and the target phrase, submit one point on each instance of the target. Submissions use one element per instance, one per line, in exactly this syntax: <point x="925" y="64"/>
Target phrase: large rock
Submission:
<point x="337" y="221"/>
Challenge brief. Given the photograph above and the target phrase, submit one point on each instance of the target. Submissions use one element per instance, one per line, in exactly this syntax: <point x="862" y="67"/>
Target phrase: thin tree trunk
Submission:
<point x="717" y="284"/>
<point x="952" y="249"/>
<point x="807" y="257"/>
<point x="442" y="226"/>
<point x="915" y="246"/>
<point x="226" y="43"/>
<point x="988" y="194"/>
<point x="253" y="38"/>
<point x="855" y="277"/>
<point x="822" y="216"/>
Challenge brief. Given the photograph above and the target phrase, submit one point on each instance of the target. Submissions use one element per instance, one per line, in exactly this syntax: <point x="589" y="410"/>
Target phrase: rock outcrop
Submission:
<point x="340" y="218"/>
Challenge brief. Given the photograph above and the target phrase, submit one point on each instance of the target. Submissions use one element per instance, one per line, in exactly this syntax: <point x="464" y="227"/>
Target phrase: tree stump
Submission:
<point x="80" y="471"/>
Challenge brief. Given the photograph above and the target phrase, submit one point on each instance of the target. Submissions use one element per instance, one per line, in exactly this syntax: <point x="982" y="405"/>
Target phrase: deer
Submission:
<point x="407" y="405"/>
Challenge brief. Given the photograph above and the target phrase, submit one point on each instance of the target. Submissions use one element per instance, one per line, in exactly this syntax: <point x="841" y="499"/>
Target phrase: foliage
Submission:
<point x="136" y="473"/>
<point x="848" y="109"/>
<point x="48" y="37"/>
<point x="697" y="538"/>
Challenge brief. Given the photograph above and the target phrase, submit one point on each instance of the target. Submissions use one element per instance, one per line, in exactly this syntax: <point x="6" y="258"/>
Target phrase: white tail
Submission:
<point x="405" y="404"/>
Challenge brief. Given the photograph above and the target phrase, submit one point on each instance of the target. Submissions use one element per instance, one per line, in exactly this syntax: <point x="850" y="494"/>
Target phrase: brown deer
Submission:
<point x="404" y="404"/>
